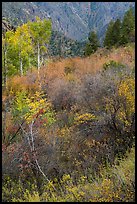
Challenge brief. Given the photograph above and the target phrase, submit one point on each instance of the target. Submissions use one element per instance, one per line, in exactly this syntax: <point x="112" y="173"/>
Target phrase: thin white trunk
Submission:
<point x="21" y="69"/>
<point x="38" y="56"/>
<point x="28" y="137"/>
<point x="29" y="62"/>
<point x="33" y="149"/>
<point x="4" y="124"/>
<point x="42" y="60"/>
<point x="5" y="67"/>
<point x="21" y="65"/>
<point x="39" y="64"/>
<point x="31" y="134"/>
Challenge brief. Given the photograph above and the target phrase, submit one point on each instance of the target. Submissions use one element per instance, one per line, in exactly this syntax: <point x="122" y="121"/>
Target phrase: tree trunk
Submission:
<point x="38" y="56"/>
<point x="4" y="111"/>
<point x="39" y="64"/>
<point x="5" y="68"/>
<point x="21" y="68"/>
<point x="4" y="124"/>
<point x="29" y="62"/>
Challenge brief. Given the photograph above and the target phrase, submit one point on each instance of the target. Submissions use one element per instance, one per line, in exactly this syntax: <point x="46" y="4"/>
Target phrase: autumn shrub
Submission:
<point x="69" y="70"/>
<point x="29" y="83"/>
<point x="16" y="191"/>
<point x="113" y="64"/>
<point x="70" y="66"/>
<point x="121" y="114"/>
<point x="84" y="123"/>
<point x="108" y="187"/>
<point x="78" y="151"/>
<point x="61" y="94"/>
<point x="16" y="160"/>
<point x="95" y="95"/>
<point x="101" y="95"/>
<point x="65" y="128"/>
<point x="114" y="184"/>
<point x="91" y="65"/>
<point x="29" y="113"/>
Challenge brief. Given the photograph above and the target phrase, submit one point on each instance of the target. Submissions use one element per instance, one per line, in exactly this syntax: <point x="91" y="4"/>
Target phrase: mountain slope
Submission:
<point x="74" y="19"/>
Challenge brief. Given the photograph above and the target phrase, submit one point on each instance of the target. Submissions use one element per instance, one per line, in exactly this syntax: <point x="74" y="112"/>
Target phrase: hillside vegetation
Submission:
<point x="69" y="130"/>
<point x="114" y="184"/>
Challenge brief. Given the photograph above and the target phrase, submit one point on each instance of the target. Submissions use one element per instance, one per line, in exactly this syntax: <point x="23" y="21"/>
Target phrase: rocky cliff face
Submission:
<point x="74" y="19"/>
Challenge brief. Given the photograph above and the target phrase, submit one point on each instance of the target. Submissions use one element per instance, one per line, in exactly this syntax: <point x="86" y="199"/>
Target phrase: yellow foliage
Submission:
<point x="28" y="197"/>
<point x="64" y="132"/>
<point x="127" y="90"/>
<point x="79" y="119"/>
<point x="114" y="185"/>
<point x="125" y="99"/>
<point x="36" y="103"/>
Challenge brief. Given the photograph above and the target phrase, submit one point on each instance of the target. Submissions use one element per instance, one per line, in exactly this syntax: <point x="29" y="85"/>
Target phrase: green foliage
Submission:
<point x="20" y="106"/>
<point x="113" y="34"/>
<point x="32" y="107"/>
<point x="108" y="41"/>
<point x="28" y="197"/>
<point x="128" y="27"/>
<point x="19" y="47"/>
<point x="17" y="191"/>
<point x="121" y="33"/>
<point x="61" y="46"/>
<point x="116" y="32"/>
<point x="112" y="64"/>
<point x="9" y="60"/>
<point x="40" y="31"/>
<point x="92" y="45"/>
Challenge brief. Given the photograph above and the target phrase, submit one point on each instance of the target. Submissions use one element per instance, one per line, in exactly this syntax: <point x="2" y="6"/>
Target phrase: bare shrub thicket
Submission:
<point x="92" y="101"/>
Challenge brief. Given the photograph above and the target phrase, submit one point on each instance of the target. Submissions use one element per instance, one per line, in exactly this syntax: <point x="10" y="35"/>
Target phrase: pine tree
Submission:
<point x="113" y="34"/>
<point x="116" y="35"/>
<point x="109" y="40"/>
<point x="128" y="27"/>
<point x="92" y="45"/>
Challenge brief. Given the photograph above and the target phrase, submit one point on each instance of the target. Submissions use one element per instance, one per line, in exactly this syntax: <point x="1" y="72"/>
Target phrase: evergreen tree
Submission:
<point x="121" y="33"/>
<point x="116" y="35"/>
<point x="128" y="27"/>
<point x="109" y="38"/>
<point x="92" y="45"/>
